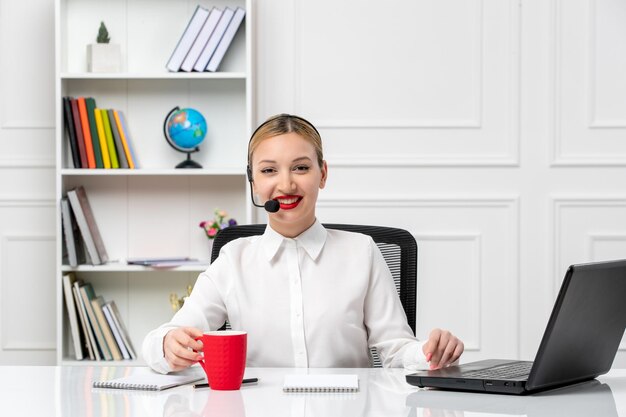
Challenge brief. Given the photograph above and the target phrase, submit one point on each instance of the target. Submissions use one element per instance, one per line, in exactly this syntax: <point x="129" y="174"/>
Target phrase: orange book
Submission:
<point x="84" y="121"/>
<point x="129" y="158"/>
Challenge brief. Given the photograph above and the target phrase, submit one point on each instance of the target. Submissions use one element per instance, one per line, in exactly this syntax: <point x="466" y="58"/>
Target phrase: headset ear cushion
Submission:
<point x="249" y="173"/>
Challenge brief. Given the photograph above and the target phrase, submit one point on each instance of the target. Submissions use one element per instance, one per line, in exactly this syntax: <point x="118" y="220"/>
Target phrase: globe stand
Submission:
<point x="189" y="163"/>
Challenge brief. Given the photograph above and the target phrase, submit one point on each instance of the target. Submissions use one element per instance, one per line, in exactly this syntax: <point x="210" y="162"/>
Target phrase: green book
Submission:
<point x="87" y="294"/>
<point x="109" y="135"/>
<point x="91" y="106"/>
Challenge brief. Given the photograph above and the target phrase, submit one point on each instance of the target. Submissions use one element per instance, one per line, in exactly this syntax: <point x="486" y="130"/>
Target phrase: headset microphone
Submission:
<point x="271" y="206"/>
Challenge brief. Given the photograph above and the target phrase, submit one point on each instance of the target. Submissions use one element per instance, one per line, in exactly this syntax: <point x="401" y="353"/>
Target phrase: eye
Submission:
<point x="267" y="170"/>
<point x="301" y="168"/>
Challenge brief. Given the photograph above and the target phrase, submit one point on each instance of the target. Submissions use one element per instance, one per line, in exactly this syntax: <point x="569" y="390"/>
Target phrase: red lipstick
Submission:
<point x="288" y="206"/>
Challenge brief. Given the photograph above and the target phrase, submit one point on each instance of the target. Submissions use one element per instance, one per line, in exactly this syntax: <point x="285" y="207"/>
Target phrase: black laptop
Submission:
<point x="580" y="341"/>
<point x="586" y="399"/>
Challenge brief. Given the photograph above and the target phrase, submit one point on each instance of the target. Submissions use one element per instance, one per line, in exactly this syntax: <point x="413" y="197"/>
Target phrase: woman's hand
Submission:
<point x="442" y="348"/>
<point x="176" y="347"/>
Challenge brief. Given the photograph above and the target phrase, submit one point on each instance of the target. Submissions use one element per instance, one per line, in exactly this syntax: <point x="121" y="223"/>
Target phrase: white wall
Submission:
<point x="492" y="130"/>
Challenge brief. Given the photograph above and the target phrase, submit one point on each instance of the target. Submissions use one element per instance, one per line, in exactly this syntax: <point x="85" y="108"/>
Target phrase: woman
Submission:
<point x="307" y="296"/>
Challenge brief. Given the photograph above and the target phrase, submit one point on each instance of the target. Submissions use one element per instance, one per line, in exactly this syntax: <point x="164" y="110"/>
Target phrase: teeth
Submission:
<point x="287" y="200"/>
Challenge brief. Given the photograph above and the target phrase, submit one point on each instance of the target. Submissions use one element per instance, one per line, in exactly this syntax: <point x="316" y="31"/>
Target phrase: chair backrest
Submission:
<point x="397" y="246"/>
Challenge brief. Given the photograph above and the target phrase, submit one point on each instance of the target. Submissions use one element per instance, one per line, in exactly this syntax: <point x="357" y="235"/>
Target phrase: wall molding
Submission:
<point x="557" y="157"/>
<point x="13" y="345"/>
<point x="27" y="163"/>
<point x="476" y="239"/>
<point x="511" y="157"/>
<point x="557" y="204"/>
<point x="593" y="121"/>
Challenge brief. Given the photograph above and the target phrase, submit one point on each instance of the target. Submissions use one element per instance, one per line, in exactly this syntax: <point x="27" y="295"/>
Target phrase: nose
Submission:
<point x="286" y="185"/>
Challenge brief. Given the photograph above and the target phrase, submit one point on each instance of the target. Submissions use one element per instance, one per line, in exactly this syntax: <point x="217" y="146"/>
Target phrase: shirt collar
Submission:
<point x="312" y="240"/>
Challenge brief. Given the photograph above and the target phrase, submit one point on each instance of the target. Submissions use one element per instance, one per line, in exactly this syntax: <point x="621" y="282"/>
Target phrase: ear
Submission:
<point x="324" y="174"/>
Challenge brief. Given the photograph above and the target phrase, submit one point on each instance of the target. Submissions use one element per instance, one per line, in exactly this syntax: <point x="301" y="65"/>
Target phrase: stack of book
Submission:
<point x="99" y="138"/>
<point x="83" y="243"/>
<point x="206" y="39"/>
<point x="98" y="332"/>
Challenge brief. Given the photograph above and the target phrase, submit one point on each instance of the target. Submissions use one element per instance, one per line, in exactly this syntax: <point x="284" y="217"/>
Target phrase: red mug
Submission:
<point x="224" y="358"/>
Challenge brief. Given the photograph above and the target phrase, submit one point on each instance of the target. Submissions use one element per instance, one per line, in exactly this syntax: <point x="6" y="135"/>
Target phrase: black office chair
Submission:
<point x="397" y="246"/>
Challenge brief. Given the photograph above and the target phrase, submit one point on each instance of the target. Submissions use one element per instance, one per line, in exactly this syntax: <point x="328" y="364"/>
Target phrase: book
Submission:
<point x="108" y="315"/>
<point x="106" y="159"/>
<point x="72" y="312"/>
<point x="79" y="134"/>
<point x="90" y="341"/>
<point x="90" y="103"/>
<point x="226" y="40"/>
<point x="87" y="294"/>
<point x="109" y="136"/>
<point x="214" y="40"/>
<point x="185" y="42"/>
<point x="321" y="383"/>
<point x="84" y="122"/>
<point x="120" y="131"/>
<point x="152" y="261"/>
<point x="87" y="225"/>
<point x="128" y="138"/>
<point x="119" y="147"/>
<point x="71" y="134"/>
<point x="71" y="235"/>
<point x="97" y="304"/>
<point x="150" y="381"/>
<point x="201" y="40"/>
<point x="117" y="318"/>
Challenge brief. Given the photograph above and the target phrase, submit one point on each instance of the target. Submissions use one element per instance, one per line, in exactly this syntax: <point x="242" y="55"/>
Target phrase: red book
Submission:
<point x="79" y="135"/>
<point x="84" y="121"/>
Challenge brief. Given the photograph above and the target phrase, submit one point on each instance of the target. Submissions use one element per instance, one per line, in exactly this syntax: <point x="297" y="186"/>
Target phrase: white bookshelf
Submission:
<point x="155" y="210"/>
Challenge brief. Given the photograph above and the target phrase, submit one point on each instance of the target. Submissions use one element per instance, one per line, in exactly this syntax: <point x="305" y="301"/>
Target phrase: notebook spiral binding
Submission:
<point x="319" y="389"/>
<point x="118" y="385"/>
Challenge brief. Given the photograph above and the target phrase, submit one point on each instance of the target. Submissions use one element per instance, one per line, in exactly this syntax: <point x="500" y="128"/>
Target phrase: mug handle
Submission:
<point x="201" y="361"/>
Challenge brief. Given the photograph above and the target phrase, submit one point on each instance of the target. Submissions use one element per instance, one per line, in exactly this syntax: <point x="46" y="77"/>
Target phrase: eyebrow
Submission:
<point x="302" y="158"/>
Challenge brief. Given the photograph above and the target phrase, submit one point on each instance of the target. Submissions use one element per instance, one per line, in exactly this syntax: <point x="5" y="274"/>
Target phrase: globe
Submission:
<point x="184" y="130"/>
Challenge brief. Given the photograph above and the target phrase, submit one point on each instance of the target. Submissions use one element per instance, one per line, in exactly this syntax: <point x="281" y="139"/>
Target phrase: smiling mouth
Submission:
<point x="288" y="202"/>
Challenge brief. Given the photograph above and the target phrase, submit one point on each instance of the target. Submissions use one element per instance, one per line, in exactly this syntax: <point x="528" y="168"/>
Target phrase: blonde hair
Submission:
<point x="281" y="124"/>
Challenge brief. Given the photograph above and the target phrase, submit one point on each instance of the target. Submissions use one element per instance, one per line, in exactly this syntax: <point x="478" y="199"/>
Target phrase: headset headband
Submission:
<point x="271" y="119"/>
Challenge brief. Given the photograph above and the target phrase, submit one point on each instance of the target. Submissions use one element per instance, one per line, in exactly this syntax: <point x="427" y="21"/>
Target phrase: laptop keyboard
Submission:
<point x="509" y="371"/>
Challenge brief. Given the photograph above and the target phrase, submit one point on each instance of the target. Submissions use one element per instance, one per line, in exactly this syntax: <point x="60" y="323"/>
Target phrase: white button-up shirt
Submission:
<point x="318" y="300"/>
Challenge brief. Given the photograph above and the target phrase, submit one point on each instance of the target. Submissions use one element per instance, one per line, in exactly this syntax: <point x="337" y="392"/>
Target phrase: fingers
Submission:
<point x="442" y="348"/>
<point x="180" y="348"/>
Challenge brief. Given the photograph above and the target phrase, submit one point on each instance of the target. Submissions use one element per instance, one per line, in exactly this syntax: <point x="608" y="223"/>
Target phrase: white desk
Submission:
<point x="66" y="391"/>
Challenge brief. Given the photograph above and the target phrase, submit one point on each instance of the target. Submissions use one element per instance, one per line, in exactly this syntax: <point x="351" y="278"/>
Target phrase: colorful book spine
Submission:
<point x="79" y="134"/>
<point x="84" y="121"/>
<point x="109" y="136"/>
<point x="129" y="140"/>
<point x="121" y="157"/>
<point x="106" y="159"/>
<point x="120" y="130"/>
<point x="71" y="134"/>
<point x="97" y="152"/>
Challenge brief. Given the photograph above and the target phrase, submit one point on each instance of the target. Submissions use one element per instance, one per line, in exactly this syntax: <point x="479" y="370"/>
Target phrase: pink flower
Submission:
<point x="211" y="232"/>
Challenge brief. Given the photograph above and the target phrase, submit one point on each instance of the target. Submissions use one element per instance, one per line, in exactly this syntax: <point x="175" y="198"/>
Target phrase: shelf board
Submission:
<point x="118" y="267"/>
<point x="154" y="76"/>
<point x="89" y="362"/>
<point x="155" y="172"/>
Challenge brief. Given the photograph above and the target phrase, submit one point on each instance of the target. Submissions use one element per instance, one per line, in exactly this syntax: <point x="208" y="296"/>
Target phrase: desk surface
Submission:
<point x="66" y="391"/>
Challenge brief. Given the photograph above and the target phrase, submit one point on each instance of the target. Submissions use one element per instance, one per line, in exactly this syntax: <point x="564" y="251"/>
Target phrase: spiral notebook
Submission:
<point x="149" y="381"/>
<point x="321" y="383"/>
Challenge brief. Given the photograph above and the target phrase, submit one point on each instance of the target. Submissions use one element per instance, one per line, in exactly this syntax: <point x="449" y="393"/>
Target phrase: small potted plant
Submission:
<point x="103" y="56"/>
